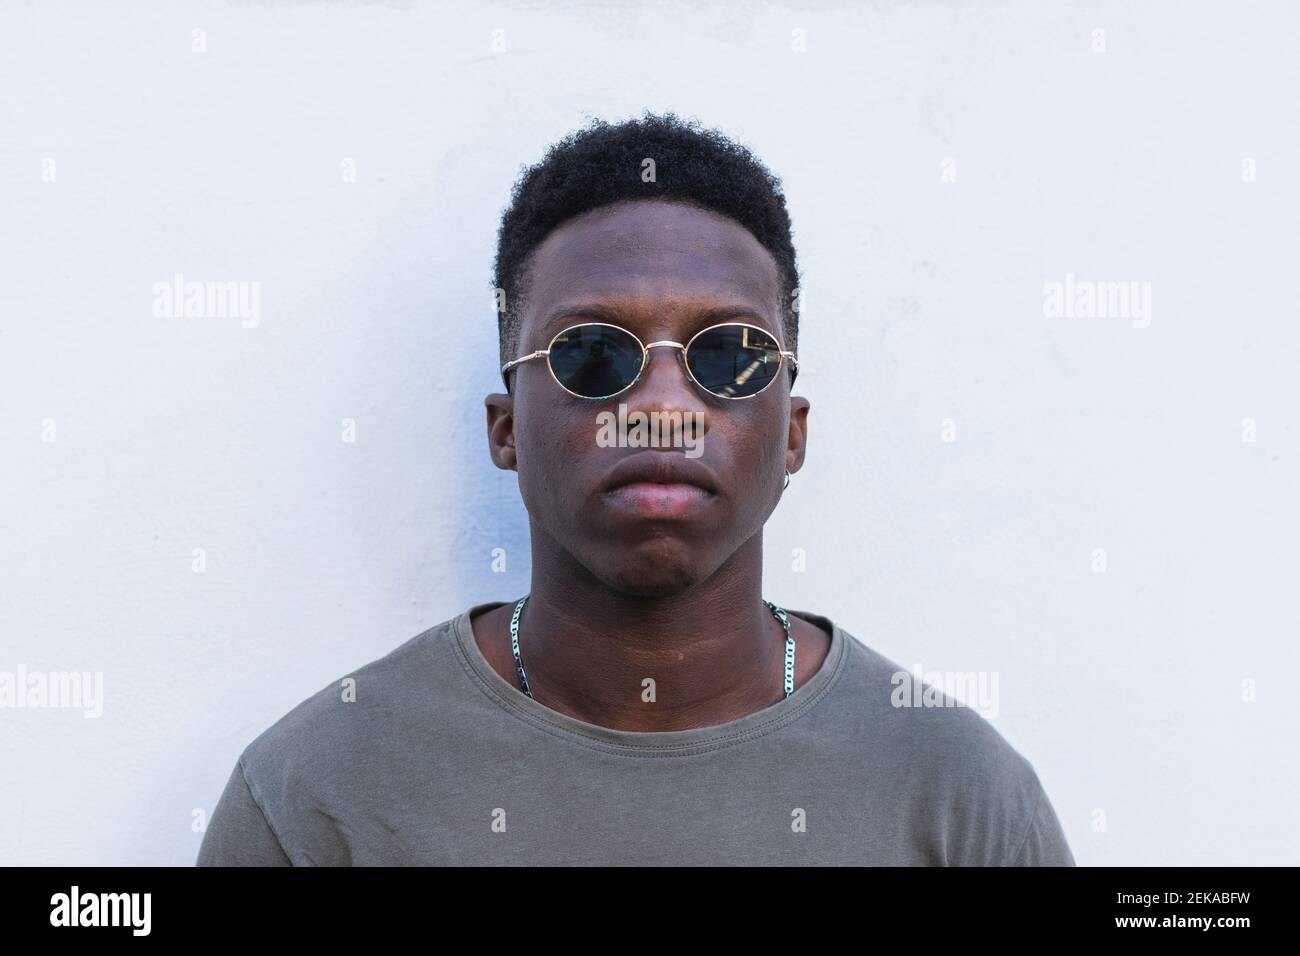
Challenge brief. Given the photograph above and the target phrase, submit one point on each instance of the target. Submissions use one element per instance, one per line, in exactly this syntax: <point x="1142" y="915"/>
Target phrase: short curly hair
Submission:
<point x="601" y="164"/>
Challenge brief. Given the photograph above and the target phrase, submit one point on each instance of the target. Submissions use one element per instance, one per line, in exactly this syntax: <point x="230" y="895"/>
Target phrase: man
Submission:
<point x="642" y="704"/>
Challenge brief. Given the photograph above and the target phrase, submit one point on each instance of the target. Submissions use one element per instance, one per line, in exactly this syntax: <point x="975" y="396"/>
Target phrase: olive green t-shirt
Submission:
<point x="430" y="757"/>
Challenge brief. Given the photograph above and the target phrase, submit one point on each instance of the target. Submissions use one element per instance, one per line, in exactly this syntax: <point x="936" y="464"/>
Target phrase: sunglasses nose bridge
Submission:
<point x="678" y="348"/>
<point x="667" y="343"/>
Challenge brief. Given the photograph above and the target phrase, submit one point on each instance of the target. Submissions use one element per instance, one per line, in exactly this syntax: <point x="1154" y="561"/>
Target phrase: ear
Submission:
<point x="501" y="430"/>
<point x="797" y="440"/>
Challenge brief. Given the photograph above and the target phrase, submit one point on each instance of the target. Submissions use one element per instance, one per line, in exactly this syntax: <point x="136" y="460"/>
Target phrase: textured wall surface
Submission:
<point x="1099" y="510"/>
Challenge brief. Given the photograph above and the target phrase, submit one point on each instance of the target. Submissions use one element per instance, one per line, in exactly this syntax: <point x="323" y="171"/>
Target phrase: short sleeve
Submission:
<point x="1044" y="842"/>
<point x="238" y="832"/>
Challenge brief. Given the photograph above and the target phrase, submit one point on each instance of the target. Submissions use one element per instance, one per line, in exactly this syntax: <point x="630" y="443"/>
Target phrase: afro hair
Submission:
<point x="601" y="164"/>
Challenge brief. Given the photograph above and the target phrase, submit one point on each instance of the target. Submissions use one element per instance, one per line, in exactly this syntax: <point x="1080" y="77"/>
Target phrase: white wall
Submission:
<point x="924" y="302"/>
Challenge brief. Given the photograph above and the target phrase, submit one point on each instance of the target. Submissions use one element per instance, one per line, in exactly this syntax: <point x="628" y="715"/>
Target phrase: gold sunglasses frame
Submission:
<point x="645" y="360"/>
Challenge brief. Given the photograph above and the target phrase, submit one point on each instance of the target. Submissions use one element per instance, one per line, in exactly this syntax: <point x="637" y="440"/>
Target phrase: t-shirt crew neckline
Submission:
<point x="671" y="743"/>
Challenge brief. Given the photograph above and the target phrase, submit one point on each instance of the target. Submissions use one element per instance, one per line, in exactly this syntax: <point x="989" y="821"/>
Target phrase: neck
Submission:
<point x="714" y="651"/>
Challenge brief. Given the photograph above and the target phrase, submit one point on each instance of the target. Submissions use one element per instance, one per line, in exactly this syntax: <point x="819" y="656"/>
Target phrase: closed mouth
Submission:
<point x="665" y="470"/>
<point x="659" y="485"/>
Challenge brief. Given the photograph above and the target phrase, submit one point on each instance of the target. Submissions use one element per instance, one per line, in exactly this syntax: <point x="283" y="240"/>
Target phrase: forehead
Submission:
<point x="655" y="263"/>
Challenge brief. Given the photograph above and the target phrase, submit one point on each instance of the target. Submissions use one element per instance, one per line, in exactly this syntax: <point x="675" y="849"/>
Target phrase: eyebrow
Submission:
<point x="597" y="312"/>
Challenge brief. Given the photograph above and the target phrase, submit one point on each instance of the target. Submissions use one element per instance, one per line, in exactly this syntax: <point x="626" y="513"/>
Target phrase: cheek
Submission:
<point x="757" y="442"/>
<point x="552" y="446"/>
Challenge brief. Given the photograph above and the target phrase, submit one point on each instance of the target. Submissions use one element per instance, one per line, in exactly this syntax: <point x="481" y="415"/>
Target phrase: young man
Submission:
<point x="642" y="704"/>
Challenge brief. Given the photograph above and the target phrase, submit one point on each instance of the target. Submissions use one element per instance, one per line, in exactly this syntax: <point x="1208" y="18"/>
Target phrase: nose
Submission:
<point x="665" y="372"/>
<point x="665" y="385"/>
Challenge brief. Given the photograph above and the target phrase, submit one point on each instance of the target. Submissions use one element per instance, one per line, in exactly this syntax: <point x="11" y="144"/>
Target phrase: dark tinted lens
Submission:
<point x="595" y="360"/>
<point x="734" y="361"/>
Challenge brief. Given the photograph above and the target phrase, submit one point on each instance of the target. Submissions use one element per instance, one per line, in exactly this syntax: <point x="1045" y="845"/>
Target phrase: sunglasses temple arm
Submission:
<point x="523" y="358"/>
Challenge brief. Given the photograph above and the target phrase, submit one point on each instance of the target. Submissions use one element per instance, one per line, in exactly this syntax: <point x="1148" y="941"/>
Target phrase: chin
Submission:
<point x="651" y="576"/>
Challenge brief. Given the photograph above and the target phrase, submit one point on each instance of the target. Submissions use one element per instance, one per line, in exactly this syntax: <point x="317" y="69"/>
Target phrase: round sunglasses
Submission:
<point x="598" y="360"/>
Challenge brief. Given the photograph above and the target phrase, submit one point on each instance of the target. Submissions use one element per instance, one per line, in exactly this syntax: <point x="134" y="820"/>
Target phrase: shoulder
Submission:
<point x="352" y="718"/>
<point x="962" y="779"/>
<point x="306" y="789"/>
<point x="947" y="713"/>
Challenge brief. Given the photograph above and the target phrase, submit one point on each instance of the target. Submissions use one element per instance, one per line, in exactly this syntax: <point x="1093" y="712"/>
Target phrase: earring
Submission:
<point x="787" y="480"/>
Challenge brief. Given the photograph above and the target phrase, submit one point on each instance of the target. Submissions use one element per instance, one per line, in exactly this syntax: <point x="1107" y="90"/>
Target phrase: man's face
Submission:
<point x="663" y="271"/>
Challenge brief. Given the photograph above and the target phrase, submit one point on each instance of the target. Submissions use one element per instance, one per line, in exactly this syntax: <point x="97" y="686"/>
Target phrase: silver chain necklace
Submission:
<point x="777" y="612"/>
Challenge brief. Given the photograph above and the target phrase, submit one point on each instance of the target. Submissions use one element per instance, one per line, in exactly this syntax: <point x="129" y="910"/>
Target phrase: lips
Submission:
<point x="659" y="485"/>
<point x="660" y="468"/>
